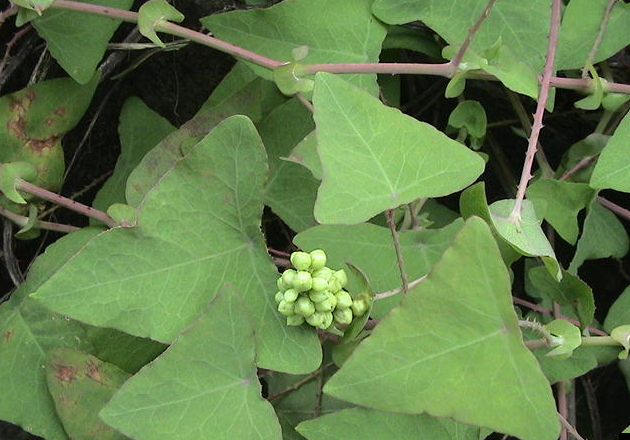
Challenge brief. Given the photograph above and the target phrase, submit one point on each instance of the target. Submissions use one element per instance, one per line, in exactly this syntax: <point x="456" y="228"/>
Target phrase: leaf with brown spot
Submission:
<point x="80" y="386"/>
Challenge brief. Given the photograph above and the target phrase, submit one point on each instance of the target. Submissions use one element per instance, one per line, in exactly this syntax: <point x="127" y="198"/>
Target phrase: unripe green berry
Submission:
<point x="341" y="277"/>
<point x="279" y="296"/>
<point x="326" y="320"/>
<point x="318" y="259"/>
<point x="316" y="296"/>
<point x="343" y="316"/>
<point x="302" y="281"/>
<point x="359" y="307"/>
<point x="280" y="284"/>
<point x="304" y="306"/>
<point x="319" y="284"/>
<point x="333" y="285"/>
<point x="315" y="319"/>
<point x="286" y="308"/>
<point x="301" y="260"/>
<point x="324" y="306"/>
<point x="295" y="320"/>
<point x="288" y="276"/>
<point x="344" y="300"/>
<point x="324" y="272"/>
<point x="290" y="295"/>
<point x="332" y="298"/>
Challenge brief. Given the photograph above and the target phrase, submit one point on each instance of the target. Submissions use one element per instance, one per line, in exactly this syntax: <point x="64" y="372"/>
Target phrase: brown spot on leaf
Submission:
<point x="65" y="373"/>
<point x="7" y="336"/>
<point x="49" y="121"/>
<point x="60" y="111"/>
<point x="94" y="372"/>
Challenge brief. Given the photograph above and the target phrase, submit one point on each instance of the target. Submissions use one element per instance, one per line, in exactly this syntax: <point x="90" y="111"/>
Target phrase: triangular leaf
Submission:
<point x="453" y="348"/>
<point x="197" y="229"/>
<point x="619" y="312"/>
<point x="613" y="168"/>
<point x="375" y="158"/>
<point x="205" y="384"/>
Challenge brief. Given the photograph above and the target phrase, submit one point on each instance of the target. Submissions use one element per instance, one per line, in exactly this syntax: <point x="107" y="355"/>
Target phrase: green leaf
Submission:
<point x="585" y="149"/>
<point x="370" y="247"/>
<point x="153" y="14"/>
<point x="36" y="5"/>
<point x="621" y="334"/>
<point x="473" y="202"/>
<point x="30" y="224"/>
<point x="603" y="236"/>
<point x="619" y="312"/>
<point x="612" y="169"/>
<point x="27" y="331"/>
<point x="305" y="154"/>
<point x="581" y="23"/>
<point x="290" y="81"/>
<point x="402" y="37"/>
<point x="364" y="291"/>
<point x="456" y="85"/>
<point x="78" y="40"/>
<point x="453" y="348"/>
<point x="276" y="31"/>
<point x="205" y="384"/>
<point x="139" y="129"/>
<point x="81" y="385"/>
<point x="375" y="158"/>
<point x="614" y="101"/>
<point x="522" y="26"/>
<point x="11" y="171"/>
<point x="198" y="229"/>
<point x="243" y="100"/>
<point x="581" y="362"/>
<point x="627" y="430"/>
<point x="570" y="291"/>
<point x="363" y="423"/>
<point x="562" y="202"/>
<point x="524" y="234"/>
<point x="290" y="189"/>
<point x="596" y="90"/>
<point x="469" y="115"/>
<point x="567" y="338"/>
<point x="123" y="215"/>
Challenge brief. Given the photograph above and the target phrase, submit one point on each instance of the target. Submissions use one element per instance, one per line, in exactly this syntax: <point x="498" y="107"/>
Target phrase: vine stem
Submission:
<point x="526" y="174"/>
<point x="598" y="38"/>
<point x="454" y="63"/>
<point x="42" y="193"/>
<point x="440" y="69"/>
<point x="399" y="256"/>
<point x="570" y="427"/>
<point x="22" y="221"/>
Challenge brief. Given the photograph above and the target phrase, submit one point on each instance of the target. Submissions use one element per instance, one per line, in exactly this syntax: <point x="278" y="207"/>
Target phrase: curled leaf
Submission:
<point x="9" y="173"/>
<point x="621" y="334"/>
<point x="567" y="338"/>
<point x="287" y="78"/>
<point x="154" y="13"/>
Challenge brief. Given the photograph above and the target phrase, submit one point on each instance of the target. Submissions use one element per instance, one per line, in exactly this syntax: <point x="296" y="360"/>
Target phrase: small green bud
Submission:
<point x="302" y="281"/>
<point x="324" y="306"/>
<point x="319" y="284"/>
<point x="301" y="260"/>
<point x="288" y="276"/>
<point x="324" y="272"/>
<point x="332" y="298"/>
<point x="304" y="306"/>
<point x="315" y="319"/>
<point x="286" y="308"/>
<point x="279" y="296"/>
<point x="318" y="296"/>
<point x="280" y="284"/>
<point x="318" y="259"/>
<point x="295" y="320"/>
<point x="290" y="295"/>
<point x="343" y="316"/>
<point x="341" y="277"/>
<point x="359" y="307"/>
<point x="333" y="285"/>
<point x="326" y="320"/>
<point x="344" y="300"/>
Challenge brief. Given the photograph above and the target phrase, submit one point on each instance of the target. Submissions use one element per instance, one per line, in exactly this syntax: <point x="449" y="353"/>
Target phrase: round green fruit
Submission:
<point x="318" y="259"/>
<point x="341" y="276"/>
<point x="301" y="260"/>
<point x="359" y="307"/>
<point x="304" y="306"/>
<point x="324" y="306"/>
<point x="279" y="296"/>
<point x="295" y="320"/>
<point x="286" y="308"/>
<point x="344" y="300"/>
<point x="316" y="296"/>
<point x="302" y="281"/>
<point x="290" y="295"/>
<point x="319" y="284"/>
<point x="343" y="316"/>
<point x="288" y="276"/>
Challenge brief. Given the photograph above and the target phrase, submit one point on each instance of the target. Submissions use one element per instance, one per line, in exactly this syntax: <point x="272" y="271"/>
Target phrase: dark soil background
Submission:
<point x="176" y="83"/>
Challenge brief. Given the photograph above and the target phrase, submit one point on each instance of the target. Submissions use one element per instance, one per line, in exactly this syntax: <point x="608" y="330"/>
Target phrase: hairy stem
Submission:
<point x="526" y="174"/>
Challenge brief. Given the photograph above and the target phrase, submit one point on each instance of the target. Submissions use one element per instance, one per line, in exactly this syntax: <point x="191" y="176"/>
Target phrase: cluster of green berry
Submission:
<point x="314" y="293"/>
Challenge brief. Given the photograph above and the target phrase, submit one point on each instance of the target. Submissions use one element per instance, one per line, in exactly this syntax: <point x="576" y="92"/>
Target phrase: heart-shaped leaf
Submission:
<point x="375" y="158"/>
<point x="205" y="384"/>
<point x="453" y="348"/>
<point x="197" y="229"/>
